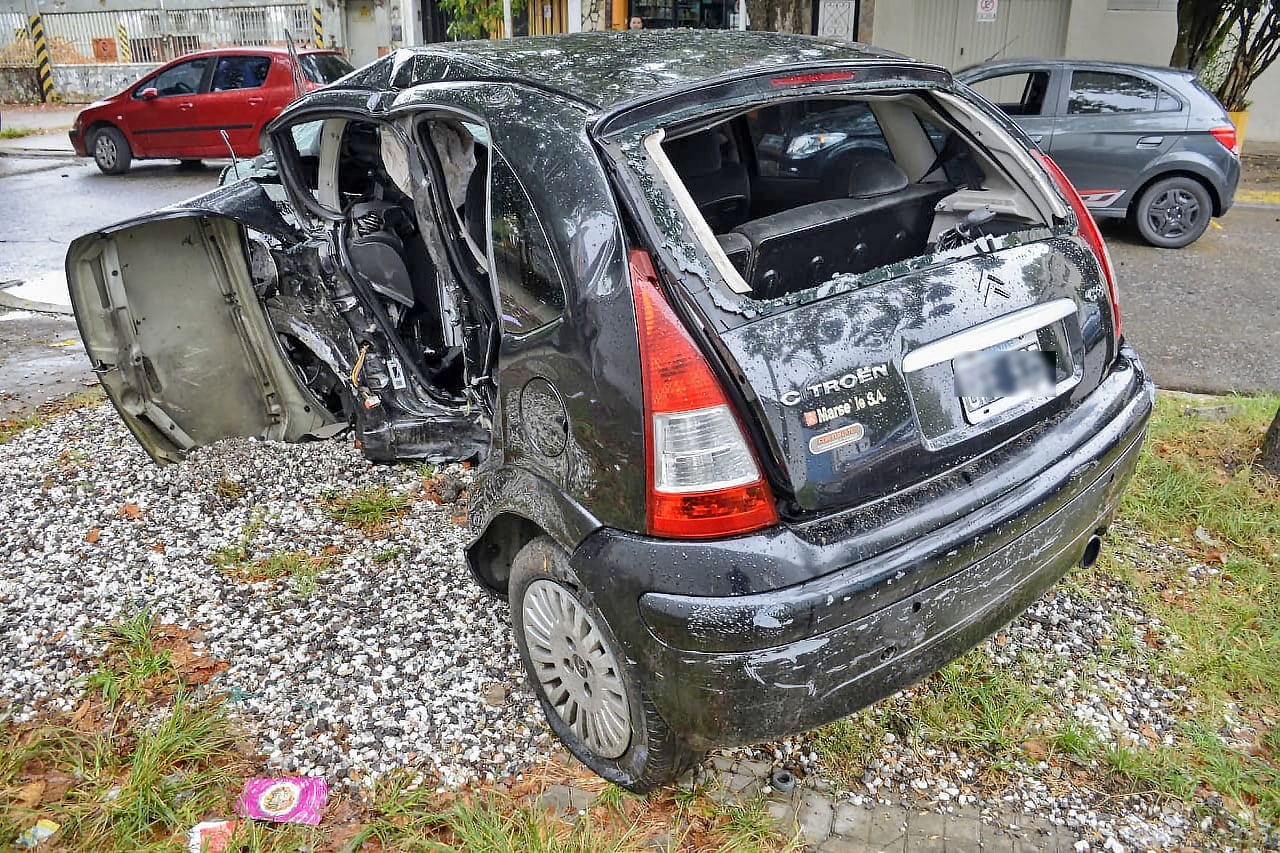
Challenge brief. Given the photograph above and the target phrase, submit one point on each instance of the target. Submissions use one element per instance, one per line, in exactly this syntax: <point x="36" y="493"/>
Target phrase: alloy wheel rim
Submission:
<point x="578" y="672"/>
<point x="105" y="149"/>
<point x="1173" y="213"/>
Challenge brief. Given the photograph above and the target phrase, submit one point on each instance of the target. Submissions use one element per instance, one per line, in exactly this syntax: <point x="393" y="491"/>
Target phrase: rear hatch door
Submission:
<point x="857" y="392"/>
<point x="850" y="388"/>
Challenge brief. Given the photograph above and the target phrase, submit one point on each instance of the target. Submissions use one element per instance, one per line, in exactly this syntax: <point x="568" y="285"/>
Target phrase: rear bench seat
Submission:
<point x="884" y="219"/>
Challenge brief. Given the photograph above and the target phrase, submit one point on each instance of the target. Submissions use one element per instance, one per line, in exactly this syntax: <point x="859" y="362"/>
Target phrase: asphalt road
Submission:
<point x="1206" y="318"/>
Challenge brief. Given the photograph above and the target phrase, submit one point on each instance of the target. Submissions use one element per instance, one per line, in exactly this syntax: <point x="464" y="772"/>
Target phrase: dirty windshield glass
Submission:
<point x="324" y="67"/>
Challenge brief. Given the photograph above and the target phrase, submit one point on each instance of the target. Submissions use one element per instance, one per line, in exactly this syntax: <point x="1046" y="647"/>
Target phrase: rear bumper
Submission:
<point x="1227" y="191"/>
<point x="733" y="669"/>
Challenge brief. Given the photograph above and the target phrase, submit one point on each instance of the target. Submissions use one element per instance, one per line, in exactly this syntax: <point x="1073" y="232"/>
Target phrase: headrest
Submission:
<point x="698" y="154"/>
<point x="872" y="175"/>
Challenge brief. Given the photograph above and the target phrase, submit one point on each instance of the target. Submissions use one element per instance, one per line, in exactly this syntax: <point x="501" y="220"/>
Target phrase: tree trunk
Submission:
<point x="781" y="16"/>
<point x="1270" y="457"/>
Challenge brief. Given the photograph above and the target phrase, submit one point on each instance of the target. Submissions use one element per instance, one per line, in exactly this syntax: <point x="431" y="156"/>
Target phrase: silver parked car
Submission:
<point x="1150" y="144"/>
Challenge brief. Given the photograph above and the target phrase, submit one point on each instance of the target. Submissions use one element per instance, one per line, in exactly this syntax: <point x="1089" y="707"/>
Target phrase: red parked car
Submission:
<point x="180" y="109"/>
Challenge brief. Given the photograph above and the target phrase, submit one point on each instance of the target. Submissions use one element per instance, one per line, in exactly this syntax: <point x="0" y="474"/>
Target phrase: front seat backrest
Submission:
<point x="720" y="189"/>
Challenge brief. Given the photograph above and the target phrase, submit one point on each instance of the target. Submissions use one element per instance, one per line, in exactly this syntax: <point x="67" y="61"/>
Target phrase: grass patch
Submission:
<point x="847" y="745"/>
<point x="1198" y="490"/>
<point x="367" y="509"/>
<point x="748" y="826"/>
<point x="232" y="558"/>
<point x="139" y="760"/>
<point x="131" y="662"/>
<point x="975" y="703"/>
<point x="17" y="132"/>
<point x="406" y="816"/>
<point x="136" y="774"/>
<point x="12" y="427"/>
<point x="230" y="489"/>
<point x="301" y="568"/>
<point x="1198" y="472"/>
<point x="121" y="786"/>
<point x="1075" y="740"/>
<point x="1198" y="493"/>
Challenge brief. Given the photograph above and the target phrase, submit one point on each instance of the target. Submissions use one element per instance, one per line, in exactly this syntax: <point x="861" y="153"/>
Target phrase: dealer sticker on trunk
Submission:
<point x="836" y="438"/>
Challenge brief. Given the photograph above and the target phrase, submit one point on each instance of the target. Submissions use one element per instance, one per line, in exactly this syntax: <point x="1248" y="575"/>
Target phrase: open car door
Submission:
<point x="219" y="317"/>
<point x="170" y="318"/>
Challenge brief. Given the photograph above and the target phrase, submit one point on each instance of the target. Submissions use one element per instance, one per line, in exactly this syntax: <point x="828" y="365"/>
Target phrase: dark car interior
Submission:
<point x="794" y="199"/>
<point x="381" y="240"/>
<point x="1028" y="88"/>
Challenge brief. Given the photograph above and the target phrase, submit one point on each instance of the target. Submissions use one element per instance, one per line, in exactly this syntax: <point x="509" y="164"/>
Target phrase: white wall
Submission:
<point x="1264" y="115"/>
<point x="1093" y="32"/>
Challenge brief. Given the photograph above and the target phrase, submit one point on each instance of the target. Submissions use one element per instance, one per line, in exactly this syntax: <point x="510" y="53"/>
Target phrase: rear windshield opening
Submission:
<point x="799" y="192"/>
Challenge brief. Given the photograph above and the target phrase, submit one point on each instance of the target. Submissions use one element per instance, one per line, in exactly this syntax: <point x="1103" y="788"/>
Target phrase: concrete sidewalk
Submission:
<point x="50" y="125"/>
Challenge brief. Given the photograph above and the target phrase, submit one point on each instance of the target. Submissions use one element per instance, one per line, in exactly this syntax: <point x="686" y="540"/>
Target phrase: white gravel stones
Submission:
<point x="398" y="659"/>
<point x="391" y="662"/>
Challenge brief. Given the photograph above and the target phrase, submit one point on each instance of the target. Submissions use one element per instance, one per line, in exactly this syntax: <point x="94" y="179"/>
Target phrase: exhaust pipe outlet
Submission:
<point x="1091" y="550"/>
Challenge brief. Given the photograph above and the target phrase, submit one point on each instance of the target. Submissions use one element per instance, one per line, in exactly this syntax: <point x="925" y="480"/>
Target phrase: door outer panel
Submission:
<point x="591" y="357"/>
<point x="168" y="314"/>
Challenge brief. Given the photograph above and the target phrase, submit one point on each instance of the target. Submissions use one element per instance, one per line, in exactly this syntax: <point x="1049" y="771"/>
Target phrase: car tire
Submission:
<point x="111" y="151"/>
<point x="588" y="692"/>
<point x="1173" y="212"/>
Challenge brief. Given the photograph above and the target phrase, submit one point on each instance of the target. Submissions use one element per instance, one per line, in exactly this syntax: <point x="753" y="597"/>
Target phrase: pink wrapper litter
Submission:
<point x="287" y="799"/>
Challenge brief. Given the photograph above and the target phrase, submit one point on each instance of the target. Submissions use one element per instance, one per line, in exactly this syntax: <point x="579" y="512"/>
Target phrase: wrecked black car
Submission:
<point x="758" y="443"/>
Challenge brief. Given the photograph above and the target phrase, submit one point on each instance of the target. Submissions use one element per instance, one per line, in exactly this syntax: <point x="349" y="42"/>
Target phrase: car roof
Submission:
<point x="604" y="68"/>
<point x="270" y="50"/>
<point x="1158" y="70"/>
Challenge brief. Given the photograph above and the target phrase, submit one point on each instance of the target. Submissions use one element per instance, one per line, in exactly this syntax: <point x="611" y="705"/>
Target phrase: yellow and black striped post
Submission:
<point x="44" y="70"/>
<point x="122" y="41"/>
<point x="317" y="26"/>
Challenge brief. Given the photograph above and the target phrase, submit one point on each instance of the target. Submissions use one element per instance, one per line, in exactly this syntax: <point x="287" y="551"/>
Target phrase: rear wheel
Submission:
<point x="1173" y="212"/>
<point x="111" y="151"/>
<point x="590" y="696"/>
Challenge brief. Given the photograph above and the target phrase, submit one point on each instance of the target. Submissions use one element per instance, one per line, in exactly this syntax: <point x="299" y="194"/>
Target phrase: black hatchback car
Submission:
<point x="752" y="453"/>
<point x="1146" y="143"/>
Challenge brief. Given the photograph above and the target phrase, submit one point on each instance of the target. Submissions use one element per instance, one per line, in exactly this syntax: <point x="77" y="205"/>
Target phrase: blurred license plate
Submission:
<point x="1000" y="377"/>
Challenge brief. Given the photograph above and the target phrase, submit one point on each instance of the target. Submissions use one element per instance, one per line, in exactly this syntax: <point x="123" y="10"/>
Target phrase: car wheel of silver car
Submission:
<point x="111" y="151"/>
<point x="1173" y="212"/>
<point x="588" y="692"/>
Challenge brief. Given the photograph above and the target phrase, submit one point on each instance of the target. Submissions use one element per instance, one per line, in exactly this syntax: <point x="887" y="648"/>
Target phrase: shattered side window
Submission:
<point x="528" y="280"/>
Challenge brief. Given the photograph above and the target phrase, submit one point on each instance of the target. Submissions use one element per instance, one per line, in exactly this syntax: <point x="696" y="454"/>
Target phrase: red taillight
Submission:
<point x="1088" y="230"/>
<point x="814" y="77"/>
<point x="703" y="479"/>
<point x="1227" y="136"/>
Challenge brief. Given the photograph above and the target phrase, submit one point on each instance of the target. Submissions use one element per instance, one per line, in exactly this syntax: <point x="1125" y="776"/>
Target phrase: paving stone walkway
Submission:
<point x="827" y="825"/>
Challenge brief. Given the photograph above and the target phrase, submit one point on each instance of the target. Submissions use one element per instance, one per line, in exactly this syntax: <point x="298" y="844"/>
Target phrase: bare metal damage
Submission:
<point x="242" y="325"/>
